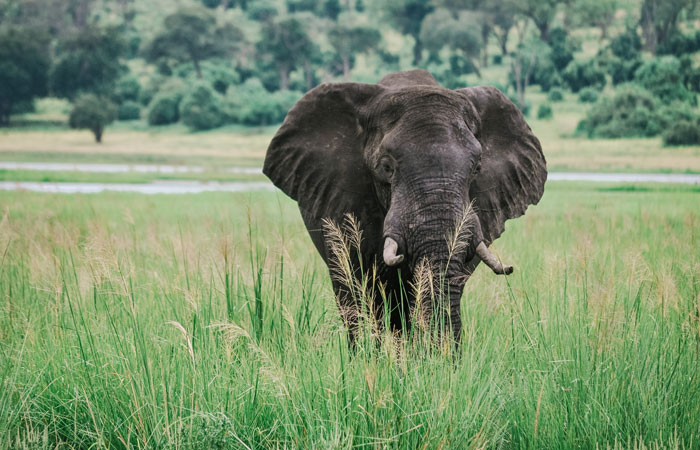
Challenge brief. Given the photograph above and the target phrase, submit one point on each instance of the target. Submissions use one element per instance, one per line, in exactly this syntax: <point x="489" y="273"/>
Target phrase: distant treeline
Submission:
<point x="211" y="62"/>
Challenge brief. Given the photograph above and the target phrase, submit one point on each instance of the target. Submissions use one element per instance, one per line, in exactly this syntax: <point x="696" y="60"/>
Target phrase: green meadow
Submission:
<point x="208" y="321"/>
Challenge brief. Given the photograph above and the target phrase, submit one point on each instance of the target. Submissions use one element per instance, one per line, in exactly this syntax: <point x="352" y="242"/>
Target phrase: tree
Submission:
<point x="93" y="113"/>
<point x="287" y="44"/>
<point x="600" y="13"/>
<point x="88" y="61"/>
<point x="348" y="40"/>
<point x="487" y="16"/>
<point x="24" y="67"/>
<point x="440" y="28"/>
<point x="191" y="34"/>
<point x="331" y="9"/>
<point x="526" y="59"/>
<point x="541" y="12"/>
<point x="503" y="21"/>
<point x="407" y="16"/>
<point x="659" y="20"/>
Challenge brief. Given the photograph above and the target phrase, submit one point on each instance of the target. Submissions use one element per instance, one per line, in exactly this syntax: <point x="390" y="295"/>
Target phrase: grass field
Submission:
<point x="207" y="321"/>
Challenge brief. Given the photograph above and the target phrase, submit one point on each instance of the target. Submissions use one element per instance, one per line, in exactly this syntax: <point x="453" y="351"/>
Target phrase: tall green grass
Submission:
<point x="208" y="321"/>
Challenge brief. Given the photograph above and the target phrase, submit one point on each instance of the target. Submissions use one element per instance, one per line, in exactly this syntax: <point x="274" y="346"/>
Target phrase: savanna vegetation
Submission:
<point x="208" y="321"/>
<point x="210" y="63"/>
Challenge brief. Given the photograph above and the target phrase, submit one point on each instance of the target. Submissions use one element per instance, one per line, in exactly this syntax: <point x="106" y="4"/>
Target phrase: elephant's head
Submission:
<point x="406" y="156"/>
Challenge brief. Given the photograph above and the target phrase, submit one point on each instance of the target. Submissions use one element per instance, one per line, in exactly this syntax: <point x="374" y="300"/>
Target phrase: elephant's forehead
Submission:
<point x="417" y="108"/>
<point x="401" y="101"/>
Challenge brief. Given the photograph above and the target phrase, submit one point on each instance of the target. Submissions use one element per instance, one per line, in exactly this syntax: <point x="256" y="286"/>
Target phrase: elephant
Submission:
<point x="406" y="157"/>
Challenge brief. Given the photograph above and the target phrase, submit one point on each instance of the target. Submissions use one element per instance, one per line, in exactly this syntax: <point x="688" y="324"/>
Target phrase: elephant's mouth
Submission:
<point x="392" y="258"/>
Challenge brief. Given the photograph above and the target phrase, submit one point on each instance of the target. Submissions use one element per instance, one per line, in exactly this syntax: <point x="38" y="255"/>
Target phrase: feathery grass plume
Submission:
<point x="458" y="238"/>
<point x="423" y="287"/>
<point x="188" y="340"/>
<point x="341" y="242"/>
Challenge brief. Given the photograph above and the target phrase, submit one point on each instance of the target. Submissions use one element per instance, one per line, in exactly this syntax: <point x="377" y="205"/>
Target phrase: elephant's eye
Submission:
<point x="386" y="169"/>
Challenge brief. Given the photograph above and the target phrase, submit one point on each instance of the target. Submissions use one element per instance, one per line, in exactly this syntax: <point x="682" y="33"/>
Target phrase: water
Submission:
<point x="678" y="178"/>
<point x="194" y="187"/>
<point x="118" y="168"/>
<point x="164" y="187"/>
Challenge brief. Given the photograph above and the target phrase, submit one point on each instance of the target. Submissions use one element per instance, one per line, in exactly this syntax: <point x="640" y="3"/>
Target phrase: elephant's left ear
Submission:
<point x="513" y="168"/>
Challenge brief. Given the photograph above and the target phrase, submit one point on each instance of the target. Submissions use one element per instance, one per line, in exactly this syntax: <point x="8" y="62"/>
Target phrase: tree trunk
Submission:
<point x="97" y="131"/>
<point x="284" y="79"/>
<point x="417" y="51"/>
<point x="646" y="21"/>
<point x="502" y="39"/>
<point x="544" y="31"/>
<point x="197" y="68"/>
<point x="485" y="31"/>
<point x="5" y="112"/>
<point x="475" y="66"/>
<point x="346" y="67"/>
<point x="308" y="72"/>
<point x="518" y="70"/>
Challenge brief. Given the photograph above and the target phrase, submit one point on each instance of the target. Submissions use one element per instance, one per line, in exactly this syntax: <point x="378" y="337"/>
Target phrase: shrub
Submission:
<point x="251" y="104"/>
<point x="676" y="112"/>
<point x="633" y="111"/>
<point x="93" y="113"/>
<point x="544" y="111"/>
<point x="679" y="44"/>
<point x="536" y="61"/>
<point x="682" y="133"/>
<point x="664" y="77"/>
<point x="201" y="109"/>
<point x="562" y="48"/>
<point x="622" y="70"/>
<point x="579" y="75"/>
<point x="555" y="95"/>
<point x="588" y="95"/>
<point x="164" y="109"/>
<point x="128" y="89"/>
<point x="129" y="110"/>
<point x="627" y="46"/>
<point x="217" y="74"/>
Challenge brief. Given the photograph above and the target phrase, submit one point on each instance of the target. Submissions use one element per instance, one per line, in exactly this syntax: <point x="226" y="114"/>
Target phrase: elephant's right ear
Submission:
<point x="316" y="156"/>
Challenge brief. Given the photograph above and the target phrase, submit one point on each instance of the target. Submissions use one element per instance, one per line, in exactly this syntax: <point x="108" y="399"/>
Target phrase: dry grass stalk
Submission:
<point x="188" y="340"/>
<point x="459" y="237"/>
<point x="341" y="242"/>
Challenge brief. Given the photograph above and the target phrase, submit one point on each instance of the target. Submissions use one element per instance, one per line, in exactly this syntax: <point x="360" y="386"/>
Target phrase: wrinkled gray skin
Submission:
<point x="404" y="157"/>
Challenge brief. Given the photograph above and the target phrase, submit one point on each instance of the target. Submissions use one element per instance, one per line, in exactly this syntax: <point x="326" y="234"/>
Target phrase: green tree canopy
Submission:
<point x="407" y="16"/>
<point x="93" y="113"/>
<point x="191" y="34"/>
<point x="442" y="29"/>
<point x="88" y="61"/>
<point x="659" y="20"/>
<point x="287" y="44"/>
<point x="541" y="12"/>
<point x="600" y="13"/>
<point x="348" y="40"/>
<point x="24" y="67"/>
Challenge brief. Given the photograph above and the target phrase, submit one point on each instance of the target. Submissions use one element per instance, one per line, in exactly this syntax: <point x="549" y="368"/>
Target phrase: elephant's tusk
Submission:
<point x="489" y="259"/>
<point x="390" y="249"/>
